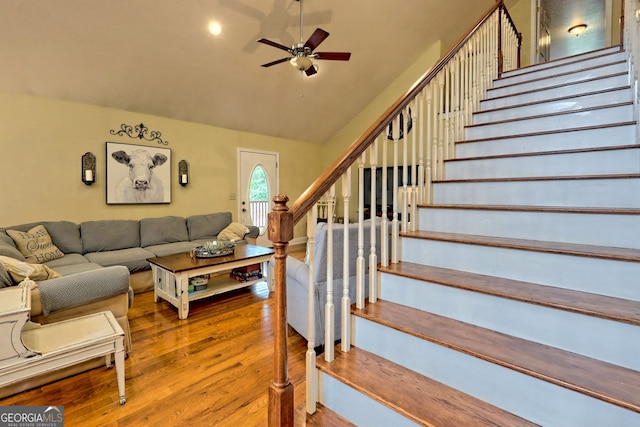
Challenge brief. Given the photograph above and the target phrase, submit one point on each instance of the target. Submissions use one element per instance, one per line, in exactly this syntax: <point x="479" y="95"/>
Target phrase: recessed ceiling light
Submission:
<point x="215" y="28"/>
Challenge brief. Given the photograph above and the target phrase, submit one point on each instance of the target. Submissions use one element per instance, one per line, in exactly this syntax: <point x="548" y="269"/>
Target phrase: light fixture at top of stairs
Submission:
<point x="577" y="30"/>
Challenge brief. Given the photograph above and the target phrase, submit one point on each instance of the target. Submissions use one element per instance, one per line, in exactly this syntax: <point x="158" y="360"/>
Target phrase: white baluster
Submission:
<point x="405" y="176"/>
<point x="311" y="373"/>
<point x="415" y="168"/>
<point x="395" y="232"/>
<point x="346" y="300"/>
<point x="329" y="311"/>
<point x="373" y="259"/>
<point x="360" y="259"/>
<point x="384" y="223"/>
<point x="441" y="127"/>
<point x="422" y="141"/>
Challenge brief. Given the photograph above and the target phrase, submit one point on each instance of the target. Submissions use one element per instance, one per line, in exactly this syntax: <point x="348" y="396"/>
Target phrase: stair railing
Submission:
<point x="416" y="134"/>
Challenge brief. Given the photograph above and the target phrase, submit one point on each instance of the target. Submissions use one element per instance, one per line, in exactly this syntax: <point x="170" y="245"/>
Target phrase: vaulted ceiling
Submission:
<point x="157" y="56"/>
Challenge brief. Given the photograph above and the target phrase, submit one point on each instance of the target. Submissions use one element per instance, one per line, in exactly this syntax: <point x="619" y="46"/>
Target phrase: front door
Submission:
<point x="258" y="183"/>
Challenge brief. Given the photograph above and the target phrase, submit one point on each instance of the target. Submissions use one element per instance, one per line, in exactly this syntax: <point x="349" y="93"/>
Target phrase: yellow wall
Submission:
<point x="43" y="140"/>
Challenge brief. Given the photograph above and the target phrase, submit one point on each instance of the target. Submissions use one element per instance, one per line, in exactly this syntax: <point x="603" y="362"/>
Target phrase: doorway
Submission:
<point x="258" y="182"/>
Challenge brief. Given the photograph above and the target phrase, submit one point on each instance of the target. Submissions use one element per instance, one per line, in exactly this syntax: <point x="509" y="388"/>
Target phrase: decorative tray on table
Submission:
<point x="214" y="248"/>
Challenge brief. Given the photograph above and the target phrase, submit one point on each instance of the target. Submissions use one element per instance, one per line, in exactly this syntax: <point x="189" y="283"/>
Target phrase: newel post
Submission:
<point x="281" y="390"/>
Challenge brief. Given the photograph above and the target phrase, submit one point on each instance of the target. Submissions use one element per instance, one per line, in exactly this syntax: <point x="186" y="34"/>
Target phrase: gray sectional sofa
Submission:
<point x="99" y="265"/>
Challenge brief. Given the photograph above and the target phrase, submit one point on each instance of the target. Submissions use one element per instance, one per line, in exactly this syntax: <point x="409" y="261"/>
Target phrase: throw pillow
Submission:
<point x="35" y="244"/>
<point x="233" y="232"/>
<point x="20" y="270"/>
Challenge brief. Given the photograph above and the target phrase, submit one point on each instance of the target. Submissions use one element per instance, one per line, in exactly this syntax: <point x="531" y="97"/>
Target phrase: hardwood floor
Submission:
<point x="212" y="369"/>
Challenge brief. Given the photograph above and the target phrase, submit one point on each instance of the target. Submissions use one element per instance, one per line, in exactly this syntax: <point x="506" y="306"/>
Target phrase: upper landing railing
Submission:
<point x="423" y="125"/>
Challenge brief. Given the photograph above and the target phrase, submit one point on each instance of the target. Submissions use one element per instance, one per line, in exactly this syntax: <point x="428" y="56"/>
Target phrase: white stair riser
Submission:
<point x="356" y="407"/>
<point x="625" y="161"/>
<point x="613" y="193"/>
<point x="556" y="80"/>
<point x="536" y="400"/>
<point x="568" y="140"/>
<point x="566" y="60"/>
<point x="596" y="117"/>
<point x="603" y="339"/>
<point x="594" y="275"/>
<point x="622" y="231"/>
<point x="567" y="104"/>
<point x="560" y="69"/>
<point x="534" y="95"/>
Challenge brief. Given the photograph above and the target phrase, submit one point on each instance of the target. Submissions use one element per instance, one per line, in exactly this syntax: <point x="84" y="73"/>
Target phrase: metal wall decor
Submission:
<point x="139" y="131"/>
<point x="88" y="169"/>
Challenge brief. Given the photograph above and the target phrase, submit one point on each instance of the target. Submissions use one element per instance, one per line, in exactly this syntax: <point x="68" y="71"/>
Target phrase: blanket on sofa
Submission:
<point x="62" y="293"/>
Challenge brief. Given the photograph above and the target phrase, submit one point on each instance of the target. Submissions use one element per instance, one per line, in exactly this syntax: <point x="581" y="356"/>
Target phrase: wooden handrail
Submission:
<point x="330" y="176"/>
<point x="283" y="219"/>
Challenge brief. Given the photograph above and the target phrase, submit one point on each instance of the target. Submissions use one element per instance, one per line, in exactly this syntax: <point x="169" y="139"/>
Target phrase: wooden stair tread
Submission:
<point x="545" y="101"/>
<point x="323" y="417"/>
<point x="540" y="178"/>
<point x="548" y="209"/>
<point x="592" y="251"/>
<point x="421" y="399"/>
<point x="617" y="309"/>
<point x="547" y="153"/>
<point x="560" y="62"/>
<point x="546" y="132"/>
<point x="548" y="88"/>
<point x="610" y="383"/>
<point x="553" y="114"/>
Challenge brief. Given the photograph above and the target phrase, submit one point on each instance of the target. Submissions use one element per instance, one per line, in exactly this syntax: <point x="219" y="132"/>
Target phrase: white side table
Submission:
<point x="36" y="348"/>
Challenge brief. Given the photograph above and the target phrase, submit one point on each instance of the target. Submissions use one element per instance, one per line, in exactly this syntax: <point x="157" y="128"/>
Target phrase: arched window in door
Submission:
<point x="259" y="198"/>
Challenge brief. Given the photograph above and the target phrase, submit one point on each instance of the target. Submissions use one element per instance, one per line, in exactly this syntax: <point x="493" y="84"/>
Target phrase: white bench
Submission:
<point x="32" y="349"/>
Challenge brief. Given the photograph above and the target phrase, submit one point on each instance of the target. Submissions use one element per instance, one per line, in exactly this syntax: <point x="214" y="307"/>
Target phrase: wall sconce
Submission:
<point x="577" y="30"/>
<point x="183" y="173"/>
<point x="88" y="168"/>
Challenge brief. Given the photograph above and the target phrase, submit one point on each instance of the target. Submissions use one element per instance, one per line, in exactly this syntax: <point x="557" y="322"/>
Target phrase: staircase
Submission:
<point x="517" y="302"/>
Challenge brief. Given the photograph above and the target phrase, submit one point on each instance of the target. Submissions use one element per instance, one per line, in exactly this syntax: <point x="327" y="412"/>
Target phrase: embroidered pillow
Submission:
<point x="233" y="232"/>
<point x="20" y="270"/>
<point x="35" y="244"/>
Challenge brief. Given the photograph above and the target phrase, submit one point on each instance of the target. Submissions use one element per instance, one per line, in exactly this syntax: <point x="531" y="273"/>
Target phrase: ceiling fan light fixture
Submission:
<point x="302" y="63"/>
<point x="577" y="30"/>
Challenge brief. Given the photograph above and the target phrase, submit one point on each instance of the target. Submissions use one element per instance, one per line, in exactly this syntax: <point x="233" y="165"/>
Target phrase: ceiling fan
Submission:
<point x="302" y="54"/>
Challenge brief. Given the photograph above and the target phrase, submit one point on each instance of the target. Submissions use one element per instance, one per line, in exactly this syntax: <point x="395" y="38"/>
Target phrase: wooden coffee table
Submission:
<point x="171" y="274"/>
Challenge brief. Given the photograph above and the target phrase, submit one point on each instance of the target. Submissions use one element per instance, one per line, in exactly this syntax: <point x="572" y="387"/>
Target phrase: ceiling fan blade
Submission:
<point x="269" y="64"/>
<point x="274" y="44"/>
<point x="333" y="56"/>
<point x="311" y="70"/>
<point x="316" y="38"/>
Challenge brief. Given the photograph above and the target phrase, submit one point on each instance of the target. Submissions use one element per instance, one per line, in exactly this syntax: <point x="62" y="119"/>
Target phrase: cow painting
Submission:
<point x="141" y="184"/>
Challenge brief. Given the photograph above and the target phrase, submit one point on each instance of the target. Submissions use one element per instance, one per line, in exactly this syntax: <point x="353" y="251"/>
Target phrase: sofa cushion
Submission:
<point x="167" y="229"/>
<point x="68" y="259"/>
<point x="207" y="226"/>
<point x="109" y="235"/>
<point x="64" y="234"/>
<point x="35" y="244"/>
<point x="233" y="232"/>
<point x="20" y="270"/>
<point x="67" y="270"/>
<point x="5" y="278"/>
<point x="8" y="247"/>
<point x="172" y="248"/>
<point x="135" y="259"/>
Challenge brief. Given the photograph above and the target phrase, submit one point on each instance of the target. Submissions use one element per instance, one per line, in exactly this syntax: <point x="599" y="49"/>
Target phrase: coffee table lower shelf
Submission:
<point x="172" y="284"/>
<point x="215" y="286"/>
